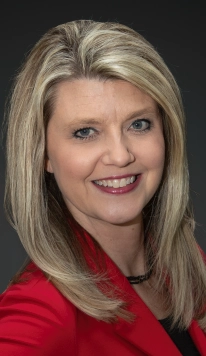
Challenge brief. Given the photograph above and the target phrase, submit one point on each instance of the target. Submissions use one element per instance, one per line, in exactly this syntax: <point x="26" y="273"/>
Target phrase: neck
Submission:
<point x="124" y="244"/>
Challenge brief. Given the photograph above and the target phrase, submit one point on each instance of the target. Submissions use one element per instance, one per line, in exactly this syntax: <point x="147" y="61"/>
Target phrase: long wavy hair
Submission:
<point x="88" y="49"/>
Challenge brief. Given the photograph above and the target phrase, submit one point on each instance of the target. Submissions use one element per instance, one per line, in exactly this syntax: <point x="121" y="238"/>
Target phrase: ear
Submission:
<point x="48" y="165"/>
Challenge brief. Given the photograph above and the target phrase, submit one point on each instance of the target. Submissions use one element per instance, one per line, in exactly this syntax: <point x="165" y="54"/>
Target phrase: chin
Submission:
<point x="122" y="219"/>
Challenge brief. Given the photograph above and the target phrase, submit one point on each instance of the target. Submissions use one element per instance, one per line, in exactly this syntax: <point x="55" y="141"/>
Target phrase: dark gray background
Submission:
<point x="178" y="31"/>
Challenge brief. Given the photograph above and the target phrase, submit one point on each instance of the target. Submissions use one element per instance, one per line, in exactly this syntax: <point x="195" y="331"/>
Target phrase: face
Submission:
<point x="105" y="147"/>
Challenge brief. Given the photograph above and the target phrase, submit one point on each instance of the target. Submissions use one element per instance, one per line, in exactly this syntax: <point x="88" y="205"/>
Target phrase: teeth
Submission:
<point x="109" y="183"/>
<point x="123" y="182"/>
<point x="132" y="179"/>
<point x="116" y="183"/>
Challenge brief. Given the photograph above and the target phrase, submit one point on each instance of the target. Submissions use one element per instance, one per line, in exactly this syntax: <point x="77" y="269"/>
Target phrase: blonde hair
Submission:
<point x="88" y="49"/>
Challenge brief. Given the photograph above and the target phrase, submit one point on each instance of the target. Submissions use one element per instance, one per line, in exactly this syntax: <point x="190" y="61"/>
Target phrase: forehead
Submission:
<point x="94" y="97"/>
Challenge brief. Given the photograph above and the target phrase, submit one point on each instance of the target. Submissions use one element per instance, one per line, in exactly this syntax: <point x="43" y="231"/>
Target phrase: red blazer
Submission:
<point x="36" y="320"/>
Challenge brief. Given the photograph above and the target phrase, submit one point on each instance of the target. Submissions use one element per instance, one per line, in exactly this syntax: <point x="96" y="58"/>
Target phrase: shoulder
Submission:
<point x="35" y="318"/>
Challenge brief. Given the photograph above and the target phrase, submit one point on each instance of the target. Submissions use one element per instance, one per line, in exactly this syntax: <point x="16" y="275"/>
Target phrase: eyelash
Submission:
<point x="75" y="133"/>
<point x="145" y="121"/>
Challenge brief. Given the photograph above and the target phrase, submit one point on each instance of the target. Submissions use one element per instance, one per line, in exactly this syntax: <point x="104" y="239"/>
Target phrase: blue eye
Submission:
<point x="84" y="133"/>
<point x="141" y="125"/>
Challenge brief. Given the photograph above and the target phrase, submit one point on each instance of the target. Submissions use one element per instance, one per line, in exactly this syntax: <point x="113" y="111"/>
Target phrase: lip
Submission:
<point x="121" y="190"/>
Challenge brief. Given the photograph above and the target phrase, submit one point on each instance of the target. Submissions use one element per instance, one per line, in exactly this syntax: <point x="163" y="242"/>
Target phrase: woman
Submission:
<point x="97" y="186"/>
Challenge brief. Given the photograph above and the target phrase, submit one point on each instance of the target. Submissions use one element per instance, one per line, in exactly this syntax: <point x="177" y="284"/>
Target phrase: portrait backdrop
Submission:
<point x="177" y="29"/>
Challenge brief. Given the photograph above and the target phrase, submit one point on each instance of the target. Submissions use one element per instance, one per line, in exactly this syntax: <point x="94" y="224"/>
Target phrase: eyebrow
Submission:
<point x="95" y="121"/>
<point x="85" y="121"/>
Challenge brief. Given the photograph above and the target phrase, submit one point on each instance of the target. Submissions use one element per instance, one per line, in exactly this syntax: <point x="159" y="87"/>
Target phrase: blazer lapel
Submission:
<point x="145" y="333"/>
<point x="198" y="337"/>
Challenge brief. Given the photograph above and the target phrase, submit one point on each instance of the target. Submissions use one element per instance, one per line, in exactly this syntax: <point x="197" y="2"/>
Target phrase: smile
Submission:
<point x="116" y="183"/>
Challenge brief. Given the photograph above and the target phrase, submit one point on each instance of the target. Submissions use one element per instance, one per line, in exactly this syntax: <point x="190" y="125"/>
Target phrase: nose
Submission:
<point x="118" y="152"/>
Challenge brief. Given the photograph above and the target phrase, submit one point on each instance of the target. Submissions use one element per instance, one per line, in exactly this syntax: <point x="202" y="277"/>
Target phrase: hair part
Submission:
<point x="95" y="50"/>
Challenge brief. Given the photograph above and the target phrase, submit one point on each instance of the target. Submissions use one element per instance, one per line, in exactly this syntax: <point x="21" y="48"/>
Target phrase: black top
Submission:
<point x="181" y="338"/>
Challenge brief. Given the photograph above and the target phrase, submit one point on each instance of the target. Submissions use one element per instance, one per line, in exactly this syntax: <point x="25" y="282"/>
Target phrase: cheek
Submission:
<point x="157" y="164"/>
<point x="153" y="155"/>
<point x="72" y="165"/>
<point x="154" y="166"/>
<point x="157" y="158"/>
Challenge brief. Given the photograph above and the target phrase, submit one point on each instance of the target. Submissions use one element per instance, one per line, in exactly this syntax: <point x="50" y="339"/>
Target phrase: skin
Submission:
<point x="113" y="147"/>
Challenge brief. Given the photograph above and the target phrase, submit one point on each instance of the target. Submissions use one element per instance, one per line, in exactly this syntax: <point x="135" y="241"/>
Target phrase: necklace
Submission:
<point x="139" y="279"/>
